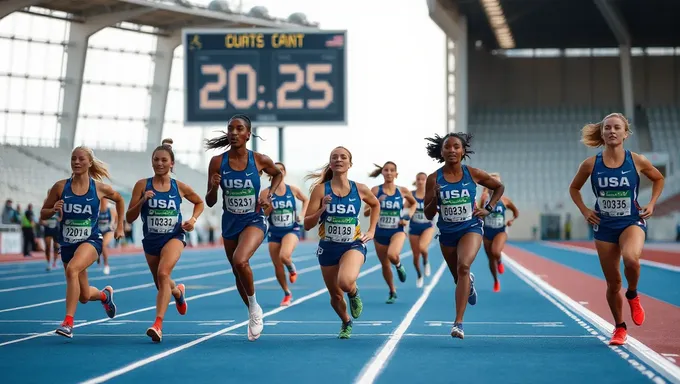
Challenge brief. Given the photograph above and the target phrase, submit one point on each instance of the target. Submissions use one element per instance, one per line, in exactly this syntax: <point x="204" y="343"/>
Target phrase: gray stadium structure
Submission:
<point x="36" y="138"/>
<point x="524" y="80"/>
<point x="525" y="76"/>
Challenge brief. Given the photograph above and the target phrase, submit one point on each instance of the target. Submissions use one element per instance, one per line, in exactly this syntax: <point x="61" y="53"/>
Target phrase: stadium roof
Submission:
<point x="165" y="15"/>
<point x="575" y="23"/>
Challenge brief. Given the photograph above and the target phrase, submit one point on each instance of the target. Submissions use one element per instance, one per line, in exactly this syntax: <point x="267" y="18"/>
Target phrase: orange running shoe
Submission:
<point x="292" y="277"/>
<point x="286" y="300"/>
<point x="155" y="333"/>
<point x="636" y="311"/>
<point x="619" y="337"/>
<point x="501" y="268"/>
<point x="181" y="303"/>
<point x="497" y="286"/>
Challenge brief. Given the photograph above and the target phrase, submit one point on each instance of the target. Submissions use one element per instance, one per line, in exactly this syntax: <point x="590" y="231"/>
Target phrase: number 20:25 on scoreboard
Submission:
<point x="276" y="77"/>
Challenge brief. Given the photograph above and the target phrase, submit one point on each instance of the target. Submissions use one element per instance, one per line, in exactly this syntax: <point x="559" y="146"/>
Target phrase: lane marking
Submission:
<point x="151" y="359"/>
<point x="371" y="370"/>
<point x="566" y="304"/>
<point x="150" y="308"/>
<point x="148" y="285"/>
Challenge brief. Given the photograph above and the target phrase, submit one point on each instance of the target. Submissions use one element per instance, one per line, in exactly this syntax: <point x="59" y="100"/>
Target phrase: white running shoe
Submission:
<point x="419" y="282"/>
<point x="107" y="269"/>
<point x="255" y="324"/>
<point x="428" y="270"/>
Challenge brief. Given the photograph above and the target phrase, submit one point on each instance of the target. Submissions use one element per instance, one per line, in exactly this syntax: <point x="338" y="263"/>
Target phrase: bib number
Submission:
<point x="104" y="225"/>
<point x="161" y="224"/>
<point x="388" y="222"/>
<point x="340" y="233"/>
<point x="614" y="206"/>
<point x="241" y="204"/>
<point x="419" y="218"/>
<point x="456" y="213"/>
<point x="494" y="221"/>
<point x="282" y="219"/>
<point x="76" y="231"/>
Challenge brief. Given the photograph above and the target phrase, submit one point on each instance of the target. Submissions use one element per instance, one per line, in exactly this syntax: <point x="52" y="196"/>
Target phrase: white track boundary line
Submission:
<point x="150" y="308"/>
<point x="654" y="360"/>
<point x="656" y="264"/>
<point x="380" y="359"/>
<point x="151" y="359"/>
<point x="148" y="285"/>
<point x="326" y="335"/>
<point x="41" y="259"/>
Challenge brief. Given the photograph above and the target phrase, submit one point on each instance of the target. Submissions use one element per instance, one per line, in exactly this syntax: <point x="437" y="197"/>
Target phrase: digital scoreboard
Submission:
<point x="276" y="77"/>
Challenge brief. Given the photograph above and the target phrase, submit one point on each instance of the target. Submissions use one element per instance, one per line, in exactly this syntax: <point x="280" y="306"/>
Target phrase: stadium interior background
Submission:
<point x="522" y="81"/>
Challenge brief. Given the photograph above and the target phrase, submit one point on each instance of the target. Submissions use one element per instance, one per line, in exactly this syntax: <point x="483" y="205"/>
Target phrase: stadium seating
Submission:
<point x="537" y="151"/>
<point x="665" y="130"/>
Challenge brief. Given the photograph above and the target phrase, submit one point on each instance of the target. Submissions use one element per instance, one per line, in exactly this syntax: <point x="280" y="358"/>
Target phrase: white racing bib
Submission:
<point x="240" y="201"/>
<point x="104" y="225"/>
<point x="419" y="218"/>
<point x="456" y="210"/>
<point x="162" y="220"/>
<point x="615" y="203"/>
<point x="282" y="218"/>
<point x="340" y="229"/>
<point x="76" y="231"/>
<point x="389" y="219"/>
<point x="52" y="222"/>
<point x="494" y="220"/>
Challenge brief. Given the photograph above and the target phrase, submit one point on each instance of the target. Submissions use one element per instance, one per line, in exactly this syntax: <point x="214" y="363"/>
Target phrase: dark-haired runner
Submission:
<point x="451" y="191"/>
<point x="237" y="173"/>
<point x="390" y="235"/>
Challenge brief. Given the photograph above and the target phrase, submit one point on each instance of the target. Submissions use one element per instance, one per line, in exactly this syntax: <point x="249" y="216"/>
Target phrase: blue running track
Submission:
<point x="520" y="335"/>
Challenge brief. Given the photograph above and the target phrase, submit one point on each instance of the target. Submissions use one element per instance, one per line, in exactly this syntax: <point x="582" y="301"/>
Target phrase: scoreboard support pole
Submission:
<point x="281" y="154"/>
<point x="281" y="142"/>
<point x="254" y="139"/>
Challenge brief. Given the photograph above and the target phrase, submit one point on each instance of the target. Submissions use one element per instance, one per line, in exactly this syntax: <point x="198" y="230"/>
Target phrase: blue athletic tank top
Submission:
<point x="390" y="211"/>
<point x="456" y="203"/>
<point x="104" y="221"/>
<point x="161" y="215"/>
<point x="616" y="190"/>
<point x="496" y="219"/>
<point x="339" y="223"/>
<point x="240" y="189"/>
<point x="284" y="210"/>
<point x="81" y="214"/>
<point x="419" y="219"/>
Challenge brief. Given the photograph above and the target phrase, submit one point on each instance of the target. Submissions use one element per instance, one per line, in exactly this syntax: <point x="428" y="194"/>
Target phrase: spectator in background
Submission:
<point x="28" y="230"/>
<point x="8" y="213"/>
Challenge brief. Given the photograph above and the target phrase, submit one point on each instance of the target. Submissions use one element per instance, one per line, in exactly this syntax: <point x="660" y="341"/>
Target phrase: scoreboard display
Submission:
<point x="276" y="77"/>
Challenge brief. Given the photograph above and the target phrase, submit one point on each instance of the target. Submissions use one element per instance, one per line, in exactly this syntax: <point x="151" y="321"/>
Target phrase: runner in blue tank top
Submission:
<point x="237" y="173"/>
<point x="334" y="205"/>
<point x="284" y="230"/>
<point x="494" y="231"/>
<point x="618" y="221"/>
<point x="390" y="235"/>
<point x="107" y="219"/>
<point x="420" y="231"/>
<point x="51" y="228"/>
<point x="76" y="200"/>
<point x="158" y="199"/>
<point x="450" y="191"/>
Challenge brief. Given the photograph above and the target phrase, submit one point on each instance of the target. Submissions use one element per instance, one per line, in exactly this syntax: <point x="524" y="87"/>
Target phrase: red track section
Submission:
<point x="666" y="257"/>
<point x="660" y="330"/>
